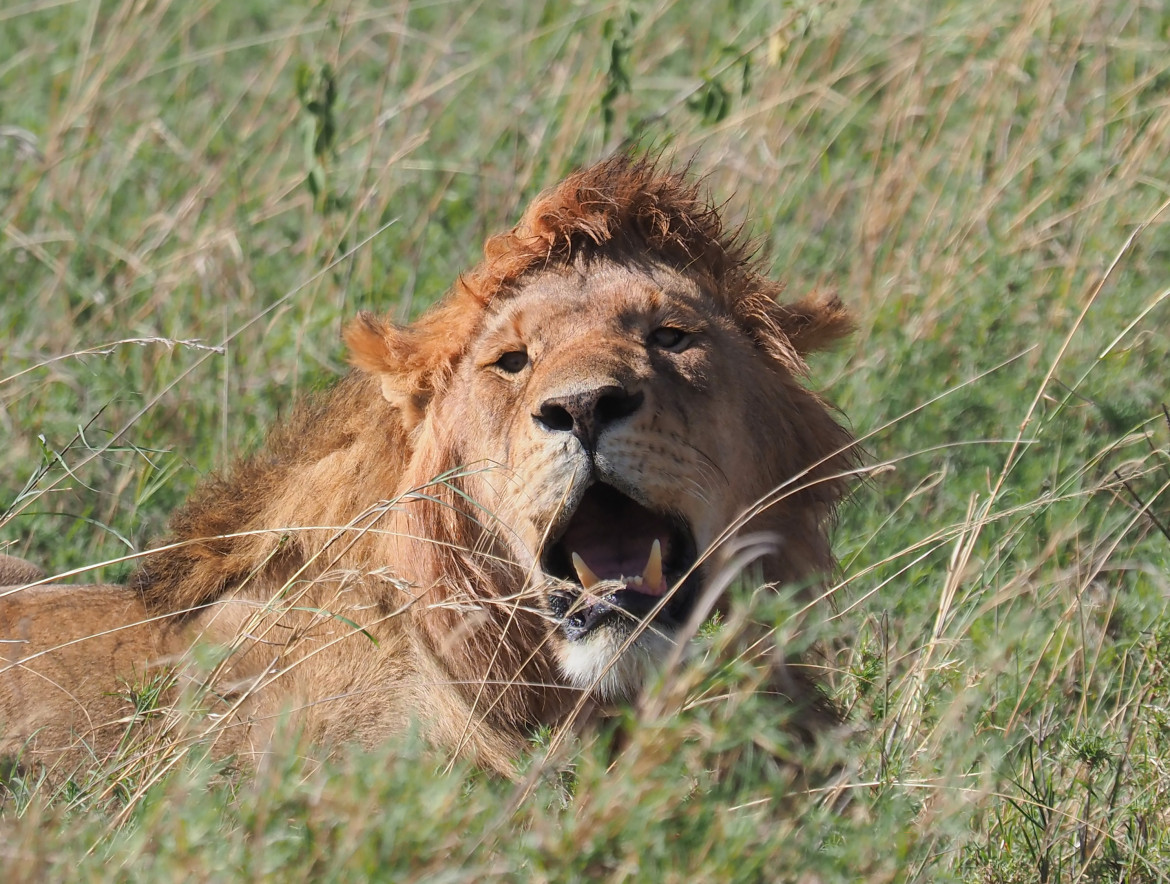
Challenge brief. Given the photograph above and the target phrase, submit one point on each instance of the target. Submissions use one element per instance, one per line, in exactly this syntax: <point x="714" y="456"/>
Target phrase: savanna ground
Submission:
<point x="195" y="196"/>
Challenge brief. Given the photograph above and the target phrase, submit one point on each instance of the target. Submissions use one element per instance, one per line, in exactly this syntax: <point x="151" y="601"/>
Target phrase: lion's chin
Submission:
<point x="602" y="664"/>
<point x="624" y="581"/>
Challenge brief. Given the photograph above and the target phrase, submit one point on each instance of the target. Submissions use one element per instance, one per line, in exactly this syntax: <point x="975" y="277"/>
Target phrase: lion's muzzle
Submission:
<point x="587" y="412"/>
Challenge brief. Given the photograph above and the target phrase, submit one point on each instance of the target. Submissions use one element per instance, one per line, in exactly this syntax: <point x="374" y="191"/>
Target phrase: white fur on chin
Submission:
<point x="586" y="664"/>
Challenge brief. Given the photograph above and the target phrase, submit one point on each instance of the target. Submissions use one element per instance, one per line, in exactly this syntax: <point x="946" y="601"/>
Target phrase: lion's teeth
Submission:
<point x="652" y="574"/>
<point x="588" y="578"/>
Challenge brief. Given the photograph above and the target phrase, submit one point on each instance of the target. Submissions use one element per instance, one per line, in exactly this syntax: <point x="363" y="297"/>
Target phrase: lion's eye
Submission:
<point x="674" y="339"/>
<point x="512" y="362"/>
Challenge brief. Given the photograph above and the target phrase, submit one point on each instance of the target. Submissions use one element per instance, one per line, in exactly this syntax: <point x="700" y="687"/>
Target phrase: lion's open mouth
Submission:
<point x="617" y="560"/>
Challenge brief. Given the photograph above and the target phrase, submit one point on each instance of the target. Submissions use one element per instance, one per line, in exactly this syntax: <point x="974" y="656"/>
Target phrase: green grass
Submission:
<point x="195" y="196"/>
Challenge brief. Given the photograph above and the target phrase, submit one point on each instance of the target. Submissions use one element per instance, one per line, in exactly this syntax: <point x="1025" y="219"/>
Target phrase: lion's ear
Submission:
<point x="413" y="361"/>
<point x="386" y="351"/>
<point x="789" y="332"/>
<point x="815" y="322"/>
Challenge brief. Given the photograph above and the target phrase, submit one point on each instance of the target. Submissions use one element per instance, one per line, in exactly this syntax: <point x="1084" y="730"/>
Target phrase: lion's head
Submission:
<point x="622" y="392"/>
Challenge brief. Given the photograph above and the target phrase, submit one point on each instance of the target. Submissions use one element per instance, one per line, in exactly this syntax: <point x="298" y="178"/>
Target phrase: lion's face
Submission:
<point x="617" y="422"/>
<point x="613" y="398"/>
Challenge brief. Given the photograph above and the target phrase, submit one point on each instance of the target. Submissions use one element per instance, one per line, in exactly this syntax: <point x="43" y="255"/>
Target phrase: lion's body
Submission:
<point x="384" y="558"/>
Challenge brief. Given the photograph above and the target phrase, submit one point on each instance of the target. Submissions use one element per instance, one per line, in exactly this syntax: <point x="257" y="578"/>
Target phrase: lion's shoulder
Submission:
<point x="247" y="519"/>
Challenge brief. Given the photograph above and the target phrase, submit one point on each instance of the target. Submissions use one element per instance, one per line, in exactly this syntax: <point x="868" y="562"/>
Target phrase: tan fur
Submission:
<point x="14" y="571"/>
<point x="377" y="562"/>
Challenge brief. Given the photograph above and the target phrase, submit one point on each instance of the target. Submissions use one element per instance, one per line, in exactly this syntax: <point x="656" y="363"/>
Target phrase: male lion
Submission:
<point x="520" y="500"/>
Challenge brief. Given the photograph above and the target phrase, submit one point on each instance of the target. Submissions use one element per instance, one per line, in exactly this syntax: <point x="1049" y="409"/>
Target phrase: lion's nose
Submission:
<point x="586" y="413"/>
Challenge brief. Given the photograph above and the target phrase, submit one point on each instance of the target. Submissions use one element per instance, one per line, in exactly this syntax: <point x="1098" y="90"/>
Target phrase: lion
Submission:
<point x="505" y="517"/>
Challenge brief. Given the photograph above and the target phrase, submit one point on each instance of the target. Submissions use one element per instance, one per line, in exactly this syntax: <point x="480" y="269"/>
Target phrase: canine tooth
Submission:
<point x="652" y="574"/>
<point x="588" y="578"/>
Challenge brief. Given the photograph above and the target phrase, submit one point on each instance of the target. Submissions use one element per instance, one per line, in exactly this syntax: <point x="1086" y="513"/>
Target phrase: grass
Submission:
<point x="196" y="196"/>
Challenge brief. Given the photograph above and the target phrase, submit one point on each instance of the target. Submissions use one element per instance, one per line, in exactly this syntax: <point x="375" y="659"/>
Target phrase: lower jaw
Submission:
<point x="602" y="664"/>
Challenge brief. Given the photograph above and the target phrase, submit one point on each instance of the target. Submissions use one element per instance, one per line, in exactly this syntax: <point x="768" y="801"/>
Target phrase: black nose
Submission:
<point x="585" y="414"/>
